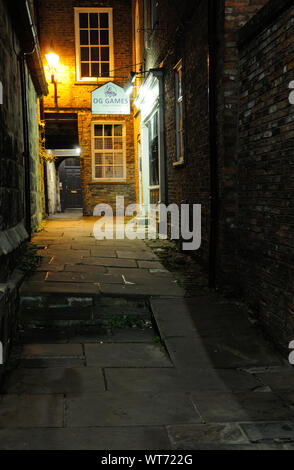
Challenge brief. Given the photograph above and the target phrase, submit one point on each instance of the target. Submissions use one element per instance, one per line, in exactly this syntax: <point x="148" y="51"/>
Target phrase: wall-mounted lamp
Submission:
<point x="129" y="86"/>
<point x="52" y="60"/>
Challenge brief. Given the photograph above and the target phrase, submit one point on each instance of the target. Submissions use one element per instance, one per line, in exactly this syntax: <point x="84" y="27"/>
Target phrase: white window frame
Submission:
<point x="179" y="101"/>
<point x="93" y="150"/>
<point x="77" y="11"/>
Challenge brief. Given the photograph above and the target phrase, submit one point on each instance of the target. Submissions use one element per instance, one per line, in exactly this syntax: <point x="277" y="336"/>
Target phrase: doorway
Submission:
<point x="70" y="184"/>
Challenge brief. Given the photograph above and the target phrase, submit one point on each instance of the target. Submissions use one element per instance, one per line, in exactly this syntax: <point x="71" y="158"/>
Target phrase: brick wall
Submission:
<point x="57" y="25"/>
<point x="235" y="15"/>
<point x="265" y="171"/>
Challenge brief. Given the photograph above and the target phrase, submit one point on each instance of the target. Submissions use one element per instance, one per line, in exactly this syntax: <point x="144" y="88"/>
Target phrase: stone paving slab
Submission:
<point x="26" y="411"/>
<point x="211" y="318"/>
<point x="88" y="277"/>
<point x="140" y="255"/>
<point x="243" y="406"/>
<point x="138" y="275"/>
<point x="191" y="436"/>
<point x="158" y="286"/>
<point x="130" y="409"/>
<point x="57" y="247"/>
<point x="150" y="379"/>
<point x="150" y="265"/>
<point x="85" y="268"/>
<point x="143" y="379"/>
<point x="59" y="287"/>
<point x="173" y="317"/>
<point x="124" y="263"/>
<point x="119" y="335"/>
<point x="51" y="267"/>
<point x="126" y="355"/>
<point x="234" y="447"/>
<point x="52" y="350"/>
<point x="188" y="353"/>
<point x="99" y="438"/>
<point x="106" y="253"/>
<point x="282" y="380"/>
<point x="64" y="362"/>
<point x="54" y="380"/>
<point x="219" y="352"/>
<point x="261" y="432"/>
<point x="64" y="254"/>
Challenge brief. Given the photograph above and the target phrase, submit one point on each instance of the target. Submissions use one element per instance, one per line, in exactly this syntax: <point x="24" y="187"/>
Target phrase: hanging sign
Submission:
<point x="110" y="99"/>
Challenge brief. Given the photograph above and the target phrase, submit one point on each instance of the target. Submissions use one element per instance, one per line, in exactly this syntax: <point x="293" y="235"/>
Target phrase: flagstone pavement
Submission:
<point x="200" y="375"/>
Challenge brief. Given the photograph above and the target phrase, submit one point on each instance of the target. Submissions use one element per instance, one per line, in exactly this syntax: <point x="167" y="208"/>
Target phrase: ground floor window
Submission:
<point x="153" y="149"/>
<point x="108" y="151"/>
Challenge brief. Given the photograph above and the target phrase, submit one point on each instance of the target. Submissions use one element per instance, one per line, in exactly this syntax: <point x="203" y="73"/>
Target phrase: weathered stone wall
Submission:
<point x="265" y="170"/>
<point x="57" y="25"/>
<point x="12" y="186"/>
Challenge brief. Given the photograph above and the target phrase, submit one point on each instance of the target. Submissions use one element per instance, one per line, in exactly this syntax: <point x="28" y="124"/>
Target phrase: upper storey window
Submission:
<point x="94" y="43"/>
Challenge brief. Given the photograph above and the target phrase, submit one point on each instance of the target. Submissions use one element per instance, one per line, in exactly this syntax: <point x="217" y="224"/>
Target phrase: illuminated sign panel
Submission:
<point x="110" y="99"/>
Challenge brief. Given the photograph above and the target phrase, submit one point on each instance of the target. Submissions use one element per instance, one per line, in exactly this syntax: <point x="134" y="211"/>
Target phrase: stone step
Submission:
<point x="60" y="315"/>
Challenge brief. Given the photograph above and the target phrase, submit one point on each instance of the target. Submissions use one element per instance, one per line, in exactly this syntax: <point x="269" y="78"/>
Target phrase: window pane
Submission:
<point x="108" y="173"/>
<point x="85" y="53"/>
<point x="104" y="53"/>
<point x="93" y="20"/>
<point x="118" y="143"/>
<point x="95" y="54"/>
<point x="98" y="129"/>
<point x="84" y="37"/>
<point x="108" y="143"/>
<point x="98" y="144"/>
<point x="103" y="20"/>
<point x="108" y="129"/>
<point x="93" y="37"/>
<point x="108" y="159"/>
<point x="94" y="70"/>
<point x="98" y="172"/>
<point x="118" y="172"/>
<point x="119" y="159"/>
<point x="117" y="129"/>
<point x="104" y="37"/>
<point x="98" y="158"/>
<point x="83" y="20"/>
<point x="104" y="70"/>
<point x="84" y="69"/>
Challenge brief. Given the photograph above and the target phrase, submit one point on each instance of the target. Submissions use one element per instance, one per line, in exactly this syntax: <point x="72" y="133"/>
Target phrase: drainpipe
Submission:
<point x="26" y="135"/>
<point x="26" y="152"/>
<point x="213" y="156"/>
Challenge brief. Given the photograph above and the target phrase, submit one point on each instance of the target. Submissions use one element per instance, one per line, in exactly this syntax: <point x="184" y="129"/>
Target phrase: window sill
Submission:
<point x="102" y="181"/>
<point x="180" y="162"/>
<point x="93" y="82"/>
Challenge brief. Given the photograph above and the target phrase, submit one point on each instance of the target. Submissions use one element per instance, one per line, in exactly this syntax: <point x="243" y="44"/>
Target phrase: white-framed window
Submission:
<point x="94" y="43"/>
<point x="108" y="151"/>
<point x="179" y="112"/>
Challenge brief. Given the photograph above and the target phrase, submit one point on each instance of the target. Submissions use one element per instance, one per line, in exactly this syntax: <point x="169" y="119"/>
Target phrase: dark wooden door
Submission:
<point x="70" y="187"/>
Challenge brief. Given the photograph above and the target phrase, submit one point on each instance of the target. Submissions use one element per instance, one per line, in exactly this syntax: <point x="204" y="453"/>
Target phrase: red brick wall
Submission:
<point x="265" y="175"/>
<point x="57" y="25"/>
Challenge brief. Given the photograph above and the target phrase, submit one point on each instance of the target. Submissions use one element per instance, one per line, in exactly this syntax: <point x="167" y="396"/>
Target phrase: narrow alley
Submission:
<point x="146" y="228"/>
